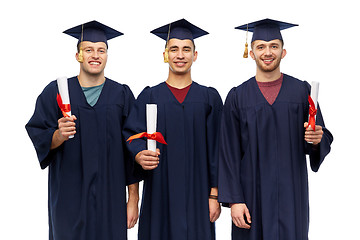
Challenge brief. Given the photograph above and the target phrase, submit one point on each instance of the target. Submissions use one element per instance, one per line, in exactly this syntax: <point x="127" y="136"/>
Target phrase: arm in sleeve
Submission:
<point x="230" y="189"/>
<point x="43" y="124"/>
<point x="213" y="130"/>
<point x="319" y="152"/>
<point x="136" y="123"/>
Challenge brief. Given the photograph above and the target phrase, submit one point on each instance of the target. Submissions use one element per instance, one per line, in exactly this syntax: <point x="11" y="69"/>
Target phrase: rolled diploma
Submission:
<point x="314" y="94"/>
<point x="151" y="116"/>
<point x="64" y="93"/>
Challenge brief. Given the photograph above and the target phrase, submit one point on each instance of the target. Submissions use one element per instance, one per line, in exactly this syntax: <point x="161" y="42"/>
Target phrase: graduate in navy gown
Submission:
<point x="180" y="179"/>
<point x="264" y="140"/>
<point x="88" y="173"/>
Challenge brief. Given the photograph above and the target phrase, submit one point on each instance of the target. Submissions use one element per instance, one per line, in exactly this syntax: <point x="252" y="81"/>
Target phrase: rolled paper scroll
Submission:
<point x="151" y="117"/>
<point x="63" y="98"/>
<point x="151" y="134"/>
<point x="313" y="104"/>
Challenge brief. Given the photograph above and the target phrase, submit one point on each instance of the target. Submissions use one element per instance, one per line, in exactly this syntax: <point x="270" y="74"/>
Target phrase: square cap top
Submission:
<point x="93" y="31"/>
<point x="181" y="29"/>
<point x="266" y="29"/>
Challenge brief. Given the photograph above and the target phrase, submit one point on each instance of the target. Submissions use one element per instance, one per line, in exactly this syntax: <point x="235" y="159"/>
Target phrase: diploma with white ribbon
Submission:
<point x="63" y="98"/>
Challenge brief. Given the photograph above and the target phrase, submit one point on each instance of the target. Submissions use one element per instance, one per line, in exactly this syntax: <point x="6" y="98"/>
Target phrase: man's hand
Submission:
<point x="313" y="136"/>
<point x="214" y="209"/>
<point x="132" y="214"/>
<point x="238" y="213"/>
<point x="214" y="205"/>
<point x="148" y="160"/>
<point x="132" y="205"/>
<point x="66" y="128"/>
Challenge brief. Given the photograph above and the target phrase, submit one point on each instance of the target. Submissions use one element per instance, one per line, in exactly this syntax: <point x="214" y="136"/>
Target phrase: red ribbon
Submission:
<point x="157" y="136"/>
<point x="312" y="113"/>
<point x="63" y="107"/>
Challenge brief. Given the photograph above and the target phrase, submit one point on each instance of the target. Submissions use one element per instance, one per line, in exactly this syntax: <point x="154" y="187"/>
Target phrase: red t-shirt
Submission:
<point x="179" y="94"/>
<point x="270" y="90"/>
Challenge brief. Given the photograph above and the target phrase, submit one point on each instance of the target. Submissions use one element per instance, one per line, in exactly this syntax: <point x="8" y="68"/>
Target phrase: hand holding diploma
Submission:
<point x="312" y="136"/>
<point x="63" y="100"/>
<point x="149" y="159"/>
<point x="313" y="133"/>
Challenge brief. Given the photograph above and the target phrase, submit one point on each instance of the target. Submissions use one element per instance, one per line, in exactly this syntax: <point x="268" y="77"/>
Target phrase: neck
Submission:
<point x="262" y="76"/>
<point x="179" y="80"/>
<point x="87" y="80"/>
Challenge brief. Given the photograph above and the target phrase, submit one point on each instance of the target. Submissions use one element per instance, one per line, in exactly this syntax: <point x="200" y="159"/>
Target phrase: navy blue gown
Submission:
<point x="175" y="204"/>
<point x="89" y="173"/>
<point x="263" y="159"/>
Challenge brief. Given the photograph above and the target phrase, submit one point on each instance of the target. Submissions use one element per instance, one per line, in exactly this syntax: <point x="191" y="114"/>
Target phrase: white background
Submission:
<point x="325" y="48"/>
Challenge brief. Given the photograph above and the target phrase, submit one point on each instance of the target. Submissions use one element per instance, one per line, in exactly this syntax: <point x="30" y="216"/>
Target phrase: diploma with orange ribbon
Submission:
<point x="63" y="98"/>
<point x="151" y="134"/>
<point x="313" y="97"/>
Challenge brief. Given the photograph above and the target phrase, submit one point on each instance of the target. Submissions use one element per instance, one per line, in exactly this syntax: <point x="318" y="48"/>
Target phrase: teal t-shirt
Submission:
<point x="92" y="94"/>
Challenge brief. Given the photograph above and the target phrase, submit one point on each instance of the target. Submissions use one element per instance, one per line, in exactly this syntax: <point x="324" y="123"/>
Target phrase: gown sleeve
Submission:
<point x="134" y="124"/>
<point x="230" y="189"/>
<point x="129" y="163"/>
<point x="318" y="153"/>
<point x="213" y="130"/>
<point x="43" y="124"/>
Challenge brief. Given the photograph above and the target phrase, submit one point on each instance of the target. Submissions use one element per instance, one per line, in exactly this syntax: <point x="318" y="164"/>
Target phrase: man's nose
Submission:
<point x="180" y="54"/>
<point x="268" y="51"/>
<point x="95" y="55"/>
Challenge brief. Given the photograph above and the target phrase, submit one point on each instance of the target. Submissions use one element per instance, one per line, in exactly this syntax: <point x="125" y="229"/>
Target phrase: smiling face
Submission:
<point x="181" y="55"/>
<point x="95" y="58"/>
<point x="268" y="55"/>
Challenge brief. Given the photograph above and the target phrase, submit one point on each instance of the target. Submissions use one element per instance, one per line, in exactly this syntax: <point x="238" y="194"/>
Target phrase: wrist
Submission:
<point x="133" y="200"/>
<point x="211" y="196"/>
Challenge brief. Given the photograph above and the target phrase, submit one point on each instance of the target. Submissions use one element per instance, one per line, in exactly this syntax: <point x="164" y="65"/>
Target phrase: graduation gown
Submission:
<point x="175" y="204"/>
<point x="89" y="173"/>
<point x="263" y="159"/>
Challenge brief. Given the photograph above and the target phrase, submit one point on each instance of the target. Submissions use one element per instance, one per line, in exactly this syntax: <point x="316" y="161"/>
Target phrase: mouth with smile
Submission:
<point x="94" y="63"/>
<point x="180" y="64"/>
<point x="268" y="61"/>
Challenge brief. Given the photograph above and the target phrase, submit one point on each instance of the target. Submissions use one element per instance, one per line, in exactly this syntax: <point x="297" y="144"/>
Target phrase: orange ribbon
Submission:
<point x="312" y="113"/>
<point x="157" y="136"/>
<point x="63" y="107"/>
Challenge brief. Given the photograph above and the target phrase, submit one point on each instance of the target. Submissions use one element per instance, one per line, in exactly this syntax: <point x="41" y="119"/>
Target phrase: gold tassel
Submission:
<point x="166" y="55"/>
<point x="80" y="56"/>
<point x="246" y="52"/>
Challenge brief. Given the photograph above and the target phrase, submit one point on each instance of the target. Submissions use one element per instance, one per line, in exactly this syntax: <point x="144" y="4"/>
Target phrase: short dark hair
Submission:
<point x="78" y="47"/>
<point x="191" y="40"/>
<point x="282" y="43"/>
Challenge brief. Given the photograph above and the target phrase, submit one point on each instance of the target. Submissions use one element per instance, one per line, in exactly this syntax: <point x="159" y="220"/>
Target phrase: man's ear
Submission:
<point x="195" y="56"/>
<point x="252" y="54"/>
<point x="79" y="56"/>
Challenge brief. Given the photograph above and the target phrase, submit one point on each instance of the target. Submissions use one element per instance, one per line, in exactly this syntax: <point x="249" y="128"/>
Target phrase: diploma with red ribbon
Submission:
<point x="151" y="134"/>
<point x="63" y="98"/>
<point x="313" y="97"/>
